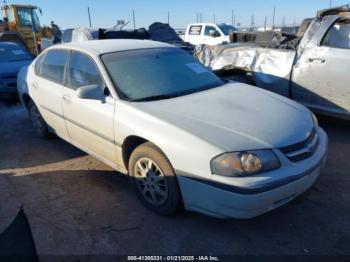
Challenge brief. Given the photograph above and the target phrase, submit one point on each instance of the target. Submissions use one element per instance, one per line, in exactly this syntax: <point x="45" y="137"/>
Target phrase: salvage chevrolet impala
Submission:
<point x="185" y="136"/>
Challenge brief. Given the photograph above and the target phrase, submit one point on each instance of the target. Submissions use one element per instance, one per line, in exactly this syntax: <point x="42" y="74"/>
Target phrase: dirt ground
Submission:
<point x="77" y="205"/>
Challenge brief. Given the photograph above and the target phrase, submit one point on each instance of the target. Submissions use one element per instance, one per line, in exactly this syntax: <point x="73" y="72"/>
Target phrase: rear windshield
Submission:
<point x="13" y="53"/>
<point x="159" y="73"/>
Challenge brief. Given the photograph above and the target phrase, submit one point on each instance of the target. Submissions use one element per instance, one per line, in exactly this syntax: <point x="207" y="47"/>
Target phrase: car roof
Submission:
<point x="112" y="45"/>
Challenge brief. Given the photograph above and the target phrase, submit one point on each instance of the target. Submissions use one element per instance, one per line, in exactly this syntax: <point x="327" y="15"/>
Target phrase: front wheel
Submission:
<point x="154" y="180"/>
<point x="39" y="124"/>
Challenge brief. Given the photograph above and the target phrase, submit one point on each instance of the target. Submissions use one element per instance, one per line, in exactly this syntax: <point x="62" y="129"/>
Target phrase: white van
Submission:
<point x="208" y="33"/>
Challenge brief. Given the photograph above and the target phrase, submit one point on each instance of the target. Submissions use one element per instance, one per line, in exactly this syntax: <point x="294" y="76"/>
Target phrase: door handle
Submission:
<point x="66" y="98"/>
<point x="316" y="60"/>
<point x="35" y="85"/>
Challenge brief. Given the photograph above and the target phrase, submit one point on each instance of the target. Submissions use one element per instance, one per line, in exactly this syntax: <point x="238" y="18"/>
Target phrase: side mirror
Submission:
<point x="93" y="92"/>
<point x="214" y="33"/>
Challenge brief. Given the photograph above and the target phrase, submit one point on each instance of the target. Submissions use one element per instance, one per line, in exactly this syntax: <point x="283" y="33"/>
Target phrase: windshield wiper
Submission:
<point x="153" y="98"/>
<point x="184" y="93"/>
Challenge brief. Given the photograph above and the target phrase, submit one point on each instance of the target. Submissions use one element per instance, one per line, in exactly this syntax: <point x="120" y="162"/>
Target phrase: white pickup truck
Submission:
<point x="208" y="34"/>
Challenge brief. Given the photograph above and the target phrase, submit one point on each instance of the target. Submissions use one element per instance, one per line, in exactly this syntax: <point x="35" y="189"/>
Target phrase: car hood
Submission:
<point x="236" y="117"/>
<point x="12" y="68"/>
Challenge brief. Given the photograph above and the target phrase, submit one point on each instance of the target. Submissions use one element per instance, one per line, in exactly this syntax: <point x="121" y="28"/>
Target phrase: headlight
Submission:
<point x="314" y="118"/>
<point x="244" y="163"/>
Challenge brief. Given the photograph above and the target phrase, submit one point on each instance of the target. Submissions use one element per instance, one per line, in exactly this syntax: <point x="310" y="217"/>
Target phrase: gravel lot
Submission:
<point x="77" y="205"/>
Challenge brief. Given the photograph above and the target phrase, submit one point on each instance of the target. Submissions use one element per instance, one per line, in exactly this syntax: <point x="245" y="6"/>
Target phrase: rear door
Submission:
<point x="46" y="88"/>
<point x="89" y="122"/>
<point x="321" y="79"/>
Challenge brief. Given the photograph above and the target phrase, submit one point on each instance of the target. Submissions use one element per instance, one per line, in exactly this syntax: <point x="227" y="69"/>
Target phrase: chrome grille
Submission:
<point x="302" y="150"/>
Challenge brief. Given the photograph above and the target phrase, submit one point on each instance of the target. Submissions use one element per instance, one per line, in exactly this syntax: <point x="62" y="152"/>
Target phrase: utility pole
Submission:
<point x="330" y="3"/>
<point x="233" y="18"/>
<point x="265" y="23"/>
<point x="273" y="17"/>
<point x="200" y="17"/>
<point x="89" y="17"/>
<point x="168" y="18"/>
<point x="133" y="18"/>
<point x="214" y="19"/>
<point x="252" y="23"/>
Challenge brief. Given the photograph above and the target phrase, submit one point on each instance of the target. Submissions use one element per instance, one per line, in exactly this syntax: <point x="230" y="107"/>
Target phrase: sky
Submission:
<point x="105" y="13"/>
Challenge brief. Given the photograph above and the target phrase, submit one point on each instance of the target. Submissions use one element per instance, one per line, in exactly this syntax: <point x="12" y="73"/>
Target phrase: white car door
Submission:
<point x="89" y="122"/>
<point x="321" y="79"/>
<point x="46" y="88"/>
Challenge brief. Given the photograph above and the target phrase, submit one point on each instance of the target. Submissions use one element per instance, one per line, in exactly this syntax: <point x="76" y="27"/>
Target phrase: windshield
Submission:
<point x="25" y="17"/>
<point x="227" y="29"/>
<point x="12" y="53"/>
<point x="159" y="73"/>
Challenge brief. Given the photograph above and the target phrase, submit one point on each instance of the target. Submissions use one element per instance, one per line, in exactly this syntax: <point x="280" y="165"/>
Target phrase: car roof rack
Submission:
<point x="333" y="11"/>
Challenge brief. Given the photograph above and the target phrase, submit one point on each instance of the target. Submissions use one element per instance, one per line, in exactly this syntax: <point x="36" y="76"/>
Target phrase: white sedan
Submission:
<point x="184" y="136"/>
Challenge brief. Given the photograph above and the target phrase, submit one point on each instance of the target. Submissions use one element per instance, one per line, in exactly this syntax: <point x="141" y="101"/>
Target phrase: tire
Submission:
<point x="242" y="79"/>
<point x="155" y="184"/>
<point x="40" y="127"/>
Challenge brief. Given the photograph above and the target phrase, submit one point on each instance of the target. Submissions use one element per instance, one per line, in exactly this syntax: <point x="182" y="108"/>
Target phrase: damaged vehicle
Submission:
<point x="185" y="136"/>
<point x="311" y="68"/>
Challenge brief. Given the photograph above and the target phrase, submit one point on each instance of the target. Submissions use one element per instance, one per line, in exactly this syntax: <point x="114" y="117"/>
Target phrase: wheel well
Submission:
<point x="26" y="98"/>
<point x="130" y="143"/>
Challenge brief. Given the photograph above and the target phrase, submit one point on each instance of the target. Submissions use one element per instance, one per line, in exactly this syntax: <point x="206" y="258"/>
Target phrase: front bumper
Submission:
<point x="227" y="201"/>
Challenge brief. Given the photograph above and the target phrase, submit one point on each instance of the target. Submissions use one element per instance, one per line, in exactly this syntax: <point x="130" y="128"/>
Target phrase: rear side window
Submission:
<point x="38" y="64"/>
<point x="338" y="36"/>
<point x="195" y="30"/>
<point x="82" y="71"/>
<point x="53" y="65"/>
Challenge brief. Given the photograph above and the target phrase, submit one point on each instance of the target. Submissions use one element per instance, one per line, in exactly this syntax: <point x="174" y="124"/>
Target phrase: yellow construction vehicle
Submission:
<point x="21" y="24"/>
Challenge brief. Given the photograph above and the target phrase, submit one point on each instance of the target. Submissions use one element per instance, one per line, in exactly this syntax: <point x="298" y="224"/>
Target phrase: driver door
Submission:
<point x="89" y="122"/>
<point x="321" y="78"/>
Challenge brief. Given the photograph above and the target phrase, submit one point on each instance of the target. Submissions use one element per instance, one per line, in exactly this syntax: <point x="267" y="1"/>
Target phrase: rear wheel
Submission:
<point x="154" y="180"/>
<point x="39" y="124"/>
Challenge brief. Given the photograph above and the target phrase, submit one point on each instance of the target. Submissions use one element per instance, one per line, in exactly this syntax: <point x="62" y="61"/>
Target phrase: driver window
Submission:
<point x="82" y="72"/>
<point x="210" y="28"/>
<point x="338" y="36"/>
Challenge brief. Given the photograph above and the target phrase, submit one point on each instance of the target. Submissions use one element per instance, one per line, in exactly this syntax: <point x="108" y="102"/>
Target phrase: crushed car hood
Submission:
<point x="236" y="117"/>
